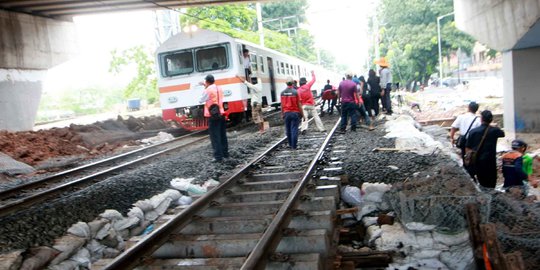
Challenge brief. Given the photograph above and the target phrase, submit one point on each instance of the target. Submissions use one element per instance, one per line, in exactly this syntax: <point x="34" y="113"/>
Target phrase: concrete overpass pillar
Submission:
<point x="512" y="27"/>
<point x="29" y="46"/>
<point x="521" y="75"/>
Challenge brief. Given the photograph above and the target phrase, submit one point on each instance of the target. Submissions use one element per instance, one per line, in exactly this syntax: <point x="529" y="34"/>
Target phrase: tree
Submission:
<point x="240" y="21"/>
<point x="409" y="36"/>
<point x="144" y="85"/>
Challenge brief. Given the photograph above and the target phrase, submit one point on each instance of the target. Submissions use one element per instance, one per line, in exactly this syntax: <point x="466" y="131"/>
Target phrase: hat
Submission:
<point x="289" y="79"/>
<point x="349" y="74"/>
<point x="382" y="62"/>
<point x="517" y="143"/>
<point x="303" y="81"/>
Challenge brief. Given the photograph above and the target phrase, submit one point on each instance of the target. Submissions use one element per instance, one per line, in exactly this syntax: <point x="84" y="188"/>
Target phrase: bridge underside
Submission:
<point x="512" y="27"/>
<point x="65" y="9"/>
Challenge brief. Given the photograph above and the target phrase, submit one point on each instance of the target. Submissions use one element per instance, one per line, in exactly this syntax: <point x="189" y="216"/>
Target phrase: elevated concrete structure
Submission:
<point x="29" y="46"/>
<point x="512" y="27"/>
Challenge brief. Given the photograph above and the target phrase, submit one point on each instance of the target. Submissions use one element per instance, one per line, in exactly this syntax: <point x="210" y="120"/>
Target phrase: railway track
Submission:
<point x="31" y="193"/>
<point x="272" y="214"/>
<point x="26" y="195"/>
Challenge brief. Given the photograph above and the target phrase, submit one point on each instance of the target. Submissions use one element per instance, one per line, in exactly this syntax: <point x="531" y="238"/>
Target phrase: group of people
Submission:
<point x="478" y="144"/>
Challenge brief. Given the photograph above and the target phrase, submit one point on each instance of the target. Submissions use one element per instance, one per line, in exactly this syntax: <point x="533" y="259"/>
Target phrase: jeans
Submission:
<point x="292" y="121"/>
<point x="309" y="111"/>
<point x="363" y="113"/>
<point x="348" y="109"/>
<point x="386" y="99"/>
<point x="218" y="137"/>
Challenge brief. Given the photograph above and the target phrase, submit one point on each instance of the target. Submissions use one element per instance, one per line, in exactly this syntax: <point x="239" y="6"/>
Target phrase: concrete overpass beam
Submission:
<point x="29" y="46"/>
<point x="521" y="91"/>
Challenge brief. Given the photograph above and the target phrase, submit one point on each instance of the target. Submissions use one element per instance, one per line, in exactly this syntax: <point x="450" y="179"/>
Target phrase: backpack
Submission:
<point x="328" y="95"/>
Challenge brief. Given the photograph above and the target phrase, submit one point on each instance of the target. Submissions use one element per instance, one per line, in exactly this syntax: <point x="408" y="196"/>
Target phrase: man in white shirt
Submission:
<point x="386" y="84"/>
<point x="256" y="102"/>
<point x="465" y="123"/>
<point x="247" y="63"/>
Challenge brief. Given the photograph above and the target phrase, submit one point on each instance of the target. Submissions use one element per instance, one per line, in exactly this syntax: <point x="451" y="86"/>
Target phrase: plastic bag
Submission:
<point x="351" y="195"/>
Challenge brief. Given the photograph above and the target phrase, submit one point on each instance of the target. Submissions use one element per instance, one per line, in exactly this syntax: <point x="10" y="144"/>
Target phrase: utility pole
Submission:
<point x="439" y="42"/>
<point x="260" y="23"/>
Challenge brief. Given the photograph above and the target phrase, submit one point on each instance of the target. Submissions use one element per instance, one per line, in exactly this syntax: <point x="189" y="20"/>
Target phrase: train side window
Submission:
<point x="253" y="61"/>
<point x="282" y="68"/>
<point x="214" y="58"/>
<point x="287" y="69"/>
<point x="176" y="63"/>
<point x="261" y="63"/>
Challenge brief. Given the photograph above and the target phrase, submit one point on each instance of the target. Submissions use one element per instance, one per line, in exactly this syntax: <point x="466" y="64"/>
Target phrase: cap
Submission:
<point x="517" y="143"/>
<point x="303" y="80"/>
<point x="289" y="79"/>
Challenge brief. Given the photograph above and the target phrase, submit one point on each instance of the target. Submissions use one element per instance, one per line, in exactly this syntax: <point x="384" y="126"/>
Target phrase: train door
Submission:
<point x="272" y="79"/>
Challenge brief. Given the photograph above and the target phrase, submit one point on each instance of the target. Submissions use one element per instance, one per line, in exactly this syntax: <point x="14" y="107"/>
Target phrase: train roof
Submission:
<point x="189" y="40"/>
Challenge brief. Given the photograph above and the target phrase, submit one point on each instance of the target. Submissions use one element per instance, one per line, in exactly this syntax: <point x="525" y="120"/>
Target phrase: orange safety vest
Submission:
<point x="212" y="92"/>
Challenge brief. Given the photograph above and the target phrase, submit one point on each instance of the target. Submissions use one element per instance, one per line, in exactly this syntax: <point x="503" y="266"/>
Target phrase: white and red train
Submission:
<point x="185" y="59"/>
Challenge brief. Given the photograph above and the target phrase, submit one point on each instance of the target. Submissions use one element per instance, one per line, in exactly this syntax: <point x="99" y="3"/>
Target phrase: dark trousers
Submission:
<point x="375" y="103"/>
<point x="349" y="109"/>
<point x="218" y="137"/>
<point x="386" y="99"/>
<point x="367" y="105"/>
<point x="292" y="121"/>
<point x="486" y="172"/>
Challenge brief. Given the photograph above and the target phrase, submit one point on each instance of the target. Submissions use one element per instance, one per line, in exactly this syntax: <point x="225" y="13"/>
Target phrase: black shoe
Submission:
<point x="342" y="131"/>
<point x="303" y="132"/>
<point x="218" y="160"/>
<point x="353" y="129"/>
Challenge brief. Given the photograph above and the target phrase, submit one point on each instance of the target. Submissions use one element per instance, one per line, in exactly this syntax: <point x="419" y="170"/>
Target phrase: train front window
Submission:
<point x="176" y="63"/>
<point x="212" y="59"/>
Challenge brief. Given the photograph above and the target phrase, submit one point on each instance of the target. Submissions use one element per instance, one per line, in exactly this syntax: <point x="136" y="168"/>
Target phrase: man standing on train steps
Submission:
<point x="308" y="104"/>
<point x="213" y="111"/>
<point x="256" y="99"/>
<point x="291" y="111"/>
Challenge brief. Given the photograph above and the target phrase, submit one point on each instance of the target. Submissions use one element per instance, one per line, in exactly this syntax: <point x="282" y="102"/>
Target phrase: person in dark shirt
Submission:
<point x="374" y="84"/>
<point x="291" y="111"/>
<point x="485" y="168"/>
<point x="512" y="167"/>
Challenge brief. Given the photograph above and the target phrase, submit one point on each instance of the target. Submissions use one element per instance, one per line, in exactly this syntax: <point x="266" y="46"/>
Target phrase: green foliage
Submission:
<point x="282" y="9"/>
<point x="240" y="21"/>
<point x="144" y="84"/>
<point x="409" y="36"/>
<point x="70" y="102"/>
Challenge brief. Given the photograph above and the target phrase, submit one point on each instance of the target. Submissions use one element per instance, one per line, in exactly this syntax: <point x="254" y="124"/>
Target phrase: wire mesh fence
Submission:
<point x="517" y="219"/>
<point x="518" y="226"/>
<point x="441" y="213"/>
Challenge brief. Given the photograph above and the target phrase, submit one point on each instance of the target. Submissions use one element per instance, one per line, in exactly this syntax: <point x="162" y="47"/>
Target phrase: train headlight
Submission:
<point x="227" y="92"/>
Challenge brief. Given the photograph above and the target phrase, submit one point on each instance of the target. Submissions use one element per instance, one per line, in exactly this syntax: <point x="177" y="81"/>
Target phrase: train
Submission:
<point x="184" y="60"/>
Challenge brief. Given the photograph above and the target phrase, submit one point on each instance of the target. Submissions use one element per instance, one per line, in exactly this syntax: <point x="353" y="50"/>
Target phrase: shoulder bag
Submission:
<point x="462" y="139"/>
<point x="214" y="110"/>
<point x="471" y="155"/>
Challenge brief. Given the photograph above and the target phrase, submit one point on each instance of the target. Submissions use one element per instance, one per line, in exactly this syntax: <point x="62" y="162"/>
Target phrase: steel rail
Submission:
<point x="270" y="239"/>
<point x="40" y="196"/>
<point x="7" y="193"/>
<point x="143" y="249"/>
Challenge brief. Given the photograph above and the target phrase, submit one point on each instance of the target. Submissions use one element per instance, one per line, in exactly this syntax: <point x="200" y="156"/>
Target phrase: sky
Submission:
<point x="331" y="22"/>
<point x="98" y="35"/>
<point x="340" y="26"/>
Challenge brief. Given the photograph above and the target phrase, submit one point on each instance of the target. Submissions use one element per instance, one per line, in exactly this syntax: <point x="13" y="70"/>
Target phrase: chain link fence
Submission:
<point x="517" y="220"/>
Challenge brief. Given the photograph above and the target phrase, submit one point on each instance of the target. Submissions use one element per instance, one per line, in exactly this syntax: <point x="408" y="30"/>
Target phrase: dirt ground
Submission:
<point x="35" y="147"/>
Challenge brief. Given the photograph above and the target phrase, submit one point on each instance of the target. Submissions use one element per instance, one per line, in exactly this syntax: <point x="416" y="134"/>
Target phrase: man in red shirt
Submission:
<point x="291" y="111"/>
<point x="308" y="104"/>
